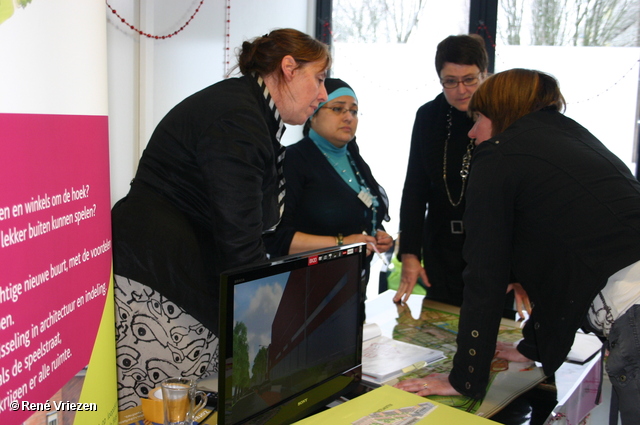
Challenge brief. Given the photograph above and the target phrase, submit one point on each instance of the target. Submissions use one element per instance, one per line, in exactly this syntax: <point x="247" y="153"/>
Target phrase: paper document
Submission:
<point x="385" y="358"/>
<point x="391" y="406"/>
<point x="584" y="347"/>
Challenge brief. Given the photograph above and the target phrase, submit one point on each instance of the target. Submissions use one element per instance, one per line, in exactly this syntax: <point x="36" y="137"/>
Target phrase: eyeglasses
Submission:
<point x="452" y="83"/>
<point x="341" y="111"/>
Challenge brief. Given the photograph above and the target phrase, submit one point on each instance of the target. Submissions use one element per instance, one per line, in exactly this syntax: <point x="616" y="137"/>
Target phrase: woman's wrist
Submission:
<point x="408" y="257"/>
<point x="339" y="240"/>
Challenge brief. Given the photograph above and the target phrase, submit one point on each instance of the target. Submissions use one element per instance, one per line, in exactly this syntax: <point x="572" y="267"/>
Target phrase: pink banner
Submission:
<point x="55" y="254"/>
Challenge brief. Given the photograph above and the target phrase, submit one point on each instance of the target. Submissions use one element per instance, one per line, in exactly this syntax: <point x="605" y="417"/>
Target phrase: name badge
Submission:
<point x="365" y="197"/>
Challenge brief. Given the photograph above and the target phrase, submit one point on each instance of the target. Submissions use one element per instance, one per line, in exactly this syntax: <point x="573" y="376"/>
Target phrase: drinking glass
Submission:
<point x="178" y="397"/>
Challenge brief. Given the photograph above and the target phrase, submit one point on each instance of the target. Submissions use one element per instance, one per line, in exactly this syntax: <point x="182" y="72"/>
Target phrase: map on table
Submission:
<point x="437" y="328"/>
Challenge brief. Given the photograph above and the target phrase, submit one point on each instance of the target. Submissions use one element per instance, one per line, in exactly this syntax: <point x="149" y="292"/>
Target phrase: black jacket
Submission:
<point x="319" y="201"/>
<point x="204" y="193"/>
<point x="430" y="238"/>
<point x="549" y="202"/>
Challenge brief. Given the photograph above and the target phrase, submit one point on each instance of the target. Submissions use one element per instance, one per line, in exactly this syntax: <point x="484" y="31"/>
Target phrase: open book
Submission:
<point x="384" y="358"/>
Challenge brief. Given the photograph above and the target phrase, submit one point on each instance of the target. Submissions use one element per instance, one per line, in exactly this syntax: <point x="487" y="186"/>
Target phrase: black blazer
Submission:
<point x="548" y="201"/>
<point x="205" y="191"/>
<point x="319" y="201"/>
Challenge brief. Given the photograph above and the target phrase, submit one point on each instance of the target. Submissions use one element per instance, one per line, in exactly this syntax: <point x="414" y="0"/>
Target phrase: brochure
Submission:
<point x="390" y="406"/>
<point x="584" y="347"/>
<point x="384" y="358"/>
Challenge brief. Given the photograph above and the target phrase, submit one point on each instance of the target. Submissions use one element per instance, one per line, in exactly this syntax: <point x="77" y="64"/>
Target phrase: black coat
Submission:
<point x="547" y="201"/>
<point x="430" y="238"/>
<point x="204" y="193"/>
<point x="319" y="201"/>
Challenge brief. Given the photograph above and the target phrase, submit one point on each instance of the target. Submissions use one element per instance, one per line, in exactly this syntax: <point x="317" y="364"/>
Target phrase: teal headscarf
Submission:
<point x="336" y="88"/>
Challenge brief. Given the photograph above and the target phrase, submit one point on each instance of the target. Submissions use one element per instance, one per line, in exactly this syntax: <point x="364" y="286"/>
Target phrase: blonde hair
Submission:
<point x="509" y="95"/>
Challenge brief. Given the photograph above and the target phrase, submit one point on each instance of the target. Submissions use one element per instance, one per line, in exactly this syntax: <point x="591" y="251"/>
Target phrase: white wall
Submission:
<point x="147" y="77"/>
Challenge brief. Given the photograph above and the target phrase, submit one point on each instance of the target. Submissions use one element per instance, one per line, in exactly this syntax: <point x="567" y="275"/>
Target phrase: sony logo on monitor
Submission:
<point x="301" y="402"/>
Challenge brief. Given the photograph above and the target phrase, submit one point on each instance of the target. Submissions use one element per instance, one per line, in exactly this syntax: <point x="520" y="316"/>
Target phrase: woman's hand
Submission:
<point x="384" y="241"/>
<point x="359" y="237"/>
<point x="411" y="271"/>
<point x="508" y="351"/>
<point x="521" y="298"/>
<point x="434" y="384"/>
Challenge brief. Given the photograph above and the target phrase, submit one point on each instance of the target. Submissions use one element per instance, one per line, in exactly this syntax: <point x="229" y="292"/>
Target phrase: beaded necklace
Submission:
<point x="466" y="162"/>
<point x="348" y="170"/>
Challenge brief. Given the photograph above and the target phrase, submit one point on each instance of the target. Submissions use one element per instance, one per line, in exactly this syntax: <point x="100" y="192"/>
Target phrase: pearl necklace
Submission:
<point x="466" y="162"/>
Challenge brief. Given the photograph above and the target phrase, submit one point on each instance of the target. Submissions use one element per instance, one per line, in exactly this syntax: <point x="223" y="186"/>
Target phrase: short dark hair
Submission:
<point x="463" y="50"/>
<point x="509" y="95"/>
<point x="263" y="55"/>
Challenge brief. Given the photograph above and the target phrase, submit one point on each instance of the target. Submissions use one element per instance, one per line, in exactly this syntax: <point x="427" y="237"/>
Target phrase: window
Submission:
<point x="385" y="50"/>
<point x="52" y="418"/>
<point x="591" y="47"/>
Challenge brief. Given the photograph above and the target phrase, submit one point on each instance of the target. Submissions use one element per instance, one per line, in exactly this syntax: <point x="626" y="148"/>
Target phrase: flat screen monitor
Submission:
<point x="290" y="335"/>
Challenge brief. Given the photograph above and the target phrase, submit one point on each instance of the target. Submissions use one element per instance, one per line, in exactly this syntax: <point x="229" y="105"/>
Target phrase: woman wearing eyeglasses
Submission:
<point x="431" y="246"/>
<point x="549" y="201"/>
<point x="332" y="197"/>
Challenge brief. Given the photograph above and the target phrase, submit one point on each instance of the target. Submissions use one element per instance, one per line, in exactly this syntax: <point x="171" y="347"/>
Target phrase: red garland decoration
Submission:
<point x="327" y="33"/>
<point x="227" y="40"/>
<point x="483" y="27"/>
<point x="157" y="37"/>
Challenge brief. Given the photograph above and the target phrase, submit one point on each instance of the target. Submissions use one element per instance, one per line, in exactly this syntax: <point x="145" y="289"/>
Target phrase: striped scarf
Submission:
<point x="281" y="149"/>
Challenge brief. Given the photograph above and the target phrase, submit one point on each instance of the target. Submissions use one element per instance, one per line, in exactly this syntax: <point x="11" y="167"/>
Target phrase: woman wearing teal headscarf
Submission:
<point x="331" y="196"/>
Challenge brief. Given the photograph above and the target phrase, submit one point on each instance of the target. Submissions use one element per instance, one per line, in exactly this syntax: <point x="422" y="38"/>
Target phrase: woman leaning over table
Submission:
<point x="550" y="203"/>
<point x="206" y="190"/>
<point x="332" y="197"/>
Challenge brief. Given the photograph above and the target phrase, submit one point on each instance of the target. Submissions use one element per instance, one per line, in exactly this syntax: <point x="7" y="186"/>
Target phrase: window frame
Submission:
<point x="483" y="20"/>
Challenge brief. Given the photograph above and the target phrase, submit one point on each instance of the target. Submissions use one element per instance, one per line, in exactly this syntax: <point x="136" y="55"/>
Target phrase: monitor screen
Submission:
<point x="290" y="335"/>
